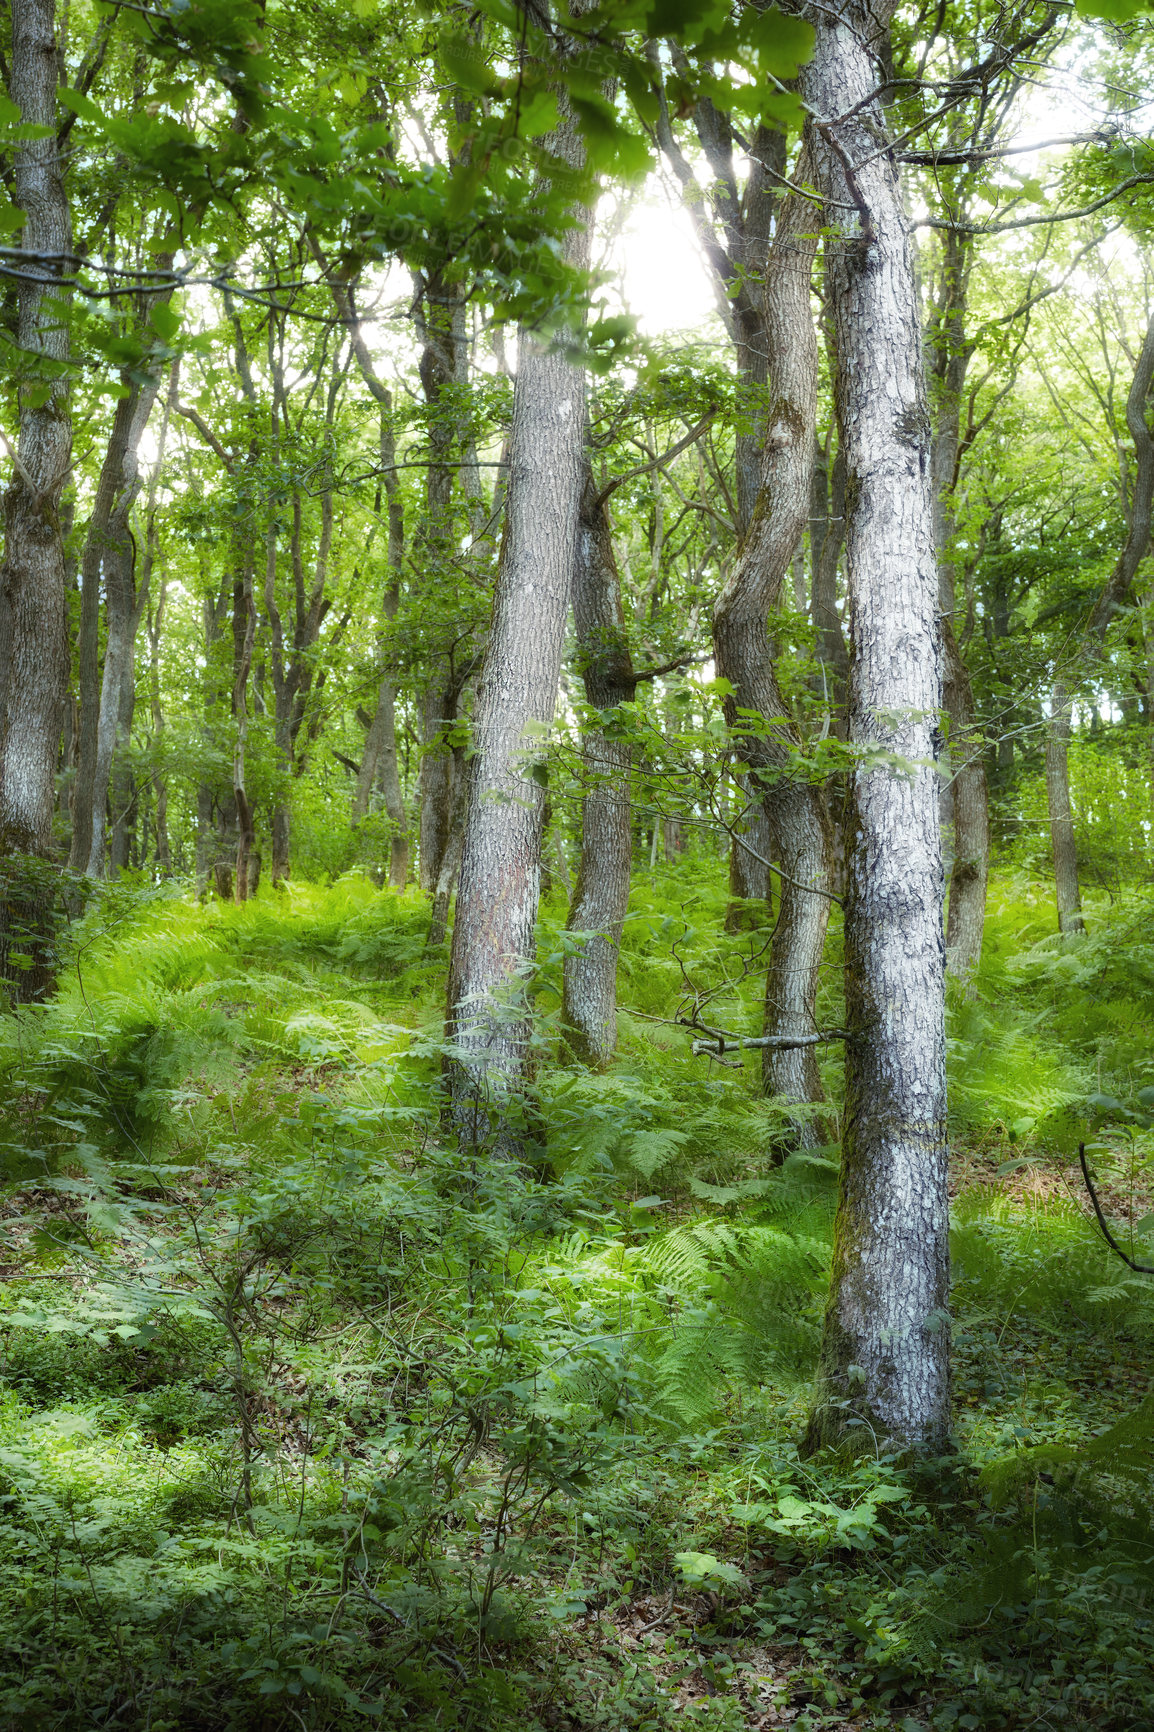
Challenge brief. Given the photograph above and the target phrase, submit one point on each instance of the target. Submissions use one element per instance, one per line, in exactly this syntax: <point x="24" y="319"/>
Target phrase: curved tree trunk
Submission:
<point x="745" y="658"/>
<point x="601" y="894"/>
<point x="34" y="659"/>
<point x="885" y="1351"/>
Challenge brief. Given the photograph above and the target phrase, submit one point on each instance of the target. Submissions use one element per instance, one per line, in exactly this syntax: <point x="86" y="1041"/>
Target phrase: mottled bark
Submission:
<point x="745" y="657"/>
<point x="488" y="1018"/>
<point x="109" y="555"/>
<point x="34" y="661"/>
<point x="827" y="538"/>
<point x="601" y="894"/>
<point x="885" y="1351"/>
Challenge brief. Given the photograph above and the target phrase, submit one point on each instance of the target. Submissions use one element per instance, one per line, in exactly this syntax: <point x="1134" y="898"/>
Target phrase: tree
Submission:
<point x="487" y="1021"/>
<point x="33" y="641"/>
<point x="885" y="1350"/>
<point x="745" y="658"/>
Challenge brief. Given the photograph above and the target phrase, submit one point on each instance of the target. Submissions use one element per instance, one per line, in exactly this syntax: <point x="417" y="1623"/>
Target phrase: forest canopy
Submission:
<point x="576" y="858"/>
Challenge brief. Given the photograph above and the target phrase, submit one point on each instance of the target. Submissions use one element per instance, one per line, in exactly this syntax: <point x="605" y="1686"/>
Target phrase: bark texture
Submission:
<point x="951" y="354"/>
<point x="34" y="659"/>
<point x="601" y="894"/>
<point x="745" y="657"/>
<point x="488" y="1022"/>
<point x="885" y="1352"/>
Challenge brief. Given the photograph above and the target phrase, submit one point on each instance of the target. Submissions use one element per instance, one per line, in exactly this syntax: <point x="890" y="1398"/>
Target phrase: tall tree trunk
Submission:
<point x="379" y="763"/>
<point x="969" y="870"/>
<point x="601" y="895"/>
<point x="745" y="657"/>
<point x="1066" y="888"/>
<point x="488" y="1018"/>
<point x="1114" y="595"/>
<point x="885" y="1352"/>
<point x="159" y="778"/>
<point x="450" y="859"/>
<point x="34" y="659"/>
<point x="244" y="636"/>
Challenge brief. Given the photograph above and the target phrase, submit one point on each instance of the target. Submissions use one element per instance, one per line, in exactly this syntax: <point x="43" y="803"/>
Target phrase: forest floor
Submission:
<point x="309" y="1420"/>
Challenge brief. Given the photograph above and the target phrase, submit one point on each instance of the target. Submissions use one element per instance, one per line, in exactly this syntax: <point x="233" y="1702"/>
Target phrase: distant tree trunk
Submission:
<point x="601" y="896"/>
<point x="488" y="1018"/>
<point x="379" y="764"/>
<point x="750" y="879"/>
<point x="827" y="538"/>
<point x="122" y="784"/>
<point x="1114" y="594"/>
<point x="1066" y="887"/>
<point x="885" y="1352"/>
<point x="450" y="860"/>
<point x="159" y="779"/>
<point x="34" y="659"/>
<point x="745" y="657"/>
<point x="109" y="553"/>
<point x="969" y="871"/>
<point x="244" y="629"/>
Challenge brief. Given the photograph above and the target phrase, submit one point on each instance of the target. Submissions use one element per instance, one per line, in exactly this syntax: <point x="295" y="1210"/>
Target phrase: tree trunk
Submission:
<point x="244" y="635"/>
<point x="885" y="1351"/>
<point x="971" y="863"/>
<point x="379" y="765"/>
<point x="450" y="862"/>
<point x="601" y="896"/>
<point x="488" y="1017"/>
<point x="1067" y="892"/>
<point x="1114" y="594"/>
<point x="122" y="784"/>
<point x="751" y="850"/>
<point x="34" y="659"/>
<point x="745" y="657"/>
<point x="969" y="869"/>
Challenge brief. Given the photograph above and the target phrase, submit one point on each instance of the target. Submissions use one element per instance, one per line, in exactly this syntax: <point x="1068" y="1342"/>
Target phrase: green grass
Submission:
<point x="303" y="1421"/>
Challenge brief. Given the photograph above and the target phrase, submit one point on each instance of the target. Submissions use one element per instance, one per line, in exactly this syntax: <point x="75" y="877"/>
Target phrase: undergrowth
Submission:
<point x="307" y="1420"/>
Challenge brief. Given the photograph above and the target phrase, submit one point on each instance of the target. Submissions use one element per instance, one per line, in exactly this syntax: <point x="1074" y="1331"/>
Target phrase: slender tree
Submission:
<point x="601" y="894"/>
<point x="487" y="1021"/>
<point x="745" y="657"/>
<point x="885" y="1351"/>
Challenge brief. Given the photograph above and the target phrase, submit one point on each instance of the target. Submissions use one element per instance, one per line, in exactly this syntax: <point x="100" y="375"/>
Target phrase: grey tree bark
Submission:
<point x="601" y="894"/>
<point x="793" y="829"/>
<point x="488" y="1019"/>
<point x="745" y="657"/>
<point x="951" y="352"/>
<point x="441" y="326"/>
<point x="885" y="1351"/>
<point x="110" y="550"/>
<point x="34" y="660"/>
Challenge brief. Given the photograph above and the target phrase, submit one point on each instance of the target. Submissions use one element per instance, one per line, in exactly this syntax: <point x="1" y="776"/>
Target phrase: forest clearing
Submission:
<point x="576" y="865"/>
